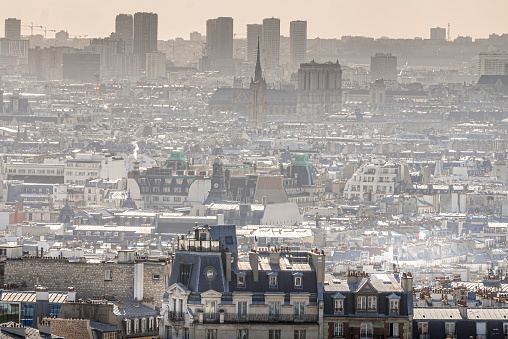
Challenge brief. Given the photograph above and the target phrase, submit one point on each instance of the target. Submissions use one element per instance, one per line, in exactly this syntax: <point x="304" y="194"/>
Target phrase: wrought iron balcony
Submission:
<point x="267" y="318"/>
<point x="176" y="316"/>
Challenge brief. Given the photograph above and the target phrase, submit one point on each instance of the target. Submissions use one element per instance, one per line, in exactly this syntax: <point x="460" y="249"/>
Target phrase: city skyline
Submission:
<point x="390" y="18"/>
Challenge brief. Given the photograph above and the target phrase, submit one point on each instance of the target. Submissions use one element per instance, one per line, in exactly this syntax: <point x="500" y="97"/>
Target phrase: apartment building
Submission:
<point x="211" y="294"/>
<point x="371" y="182"/>
<point x="86" y="166"/>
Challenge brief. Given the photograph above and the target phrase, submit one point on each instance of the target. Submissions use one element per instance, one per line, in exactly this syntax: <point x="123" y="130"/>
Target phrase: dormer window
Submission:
<point x="240" y="280"/>
<point x="298" y="280"/>
<point x="272" y="280"/>
<point x="394" y="306"/>
<point x="393" y="303"/>
<point x="338" y="305"/>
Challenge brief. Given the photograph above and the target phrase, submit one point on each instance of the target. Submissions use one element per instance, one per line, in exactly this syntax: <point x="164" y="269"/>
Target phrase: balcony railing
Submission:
<point x="198" y="245"/>
<point x="266" y="318"/>
<point x="176" y="316"/>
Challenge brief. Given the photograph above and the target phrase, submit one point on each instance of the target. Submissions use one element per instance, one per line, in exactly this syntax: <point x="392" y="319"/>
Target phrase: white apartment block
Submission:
<point x="34" y="172"/>
<point x="86" y="166"/>
<point x="372" y="182"/>
<point x="493" y="63"/>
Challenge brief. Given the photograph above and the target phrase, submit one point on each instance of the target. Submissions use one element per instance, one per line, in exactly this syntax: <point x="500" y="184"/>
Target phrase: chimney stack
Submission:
<point x="71" y="295"/>
<point x="254" y="264"/>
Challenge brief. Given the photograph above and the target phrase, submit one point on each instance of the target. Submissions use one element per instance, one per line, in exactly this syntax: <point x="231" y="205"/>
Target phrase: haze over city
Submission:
<point x="273" y="169"/>
<point x="326" y="18"/>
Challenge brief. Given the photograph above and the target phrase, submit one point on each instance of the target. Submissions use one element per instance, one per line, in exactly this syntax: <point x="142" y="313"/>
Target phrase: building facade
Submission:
<point x="297" y="42"/>
<point x="213" y="295"/>
<point x="124" y="30"/>
<point x="319" y="89"/>
<point x="271" y="43"/>
<point x="254" y="34"/>
<point x="493" y="63"/>
<point x="145" y="35"/>
<point x="12" y="29"/>
<point x="383" y="66"/>
<point x="156" y="65"/>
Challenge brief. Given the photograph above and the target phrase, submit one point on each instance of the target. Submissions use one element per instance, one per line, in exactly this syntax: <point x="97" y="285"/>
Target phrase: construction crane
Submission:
<point x="31" y="26"/>
<point x="45" y="30"/>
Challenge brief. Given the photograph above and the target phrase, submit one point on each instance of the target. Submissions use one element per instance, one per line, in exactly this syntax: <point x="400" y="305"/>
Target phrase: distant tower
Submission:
<point x="218" y="191"/>
<point x="124" y="29"/>
<point x="437" y="33"/>
<point x="254" y="34"/>
<point x="271" y="42"/>
<point x="219" y="38"/>
<point x="383" y="66"/>
<point x="298" y="42"/>
<point x="12" y="29"/>
<point x="257" y="97"/>
<point x="145" y="35"/>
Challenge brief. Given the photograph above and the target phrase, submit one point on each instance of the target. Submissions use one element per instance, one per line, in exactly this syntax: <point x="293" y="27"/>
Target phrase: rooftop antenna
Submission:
<point x="449" y="35"/>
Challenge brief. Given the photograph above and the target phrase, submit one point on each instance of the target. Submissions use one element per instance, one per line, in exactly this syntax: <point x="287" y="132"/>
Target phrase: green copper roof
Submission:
<point x="177" y="156"/>
<point x="301" y="160"/>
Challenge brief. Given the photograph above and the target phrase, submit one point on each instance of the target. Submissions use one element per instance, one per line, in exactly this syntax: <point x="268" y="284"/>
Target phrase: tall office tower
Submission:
<point x="219" y="38"/>
<point x="271" y="42"/>
<point x="12" y="29"/>
<point x="493" y="63"/>
<point x="298" y="42"/>
<point x="383" y="66"/>
<point x="254" y="34"/>
<point x="145" y="35"/>
<point x="124" y="29"/>
<point x="438" y="33"/>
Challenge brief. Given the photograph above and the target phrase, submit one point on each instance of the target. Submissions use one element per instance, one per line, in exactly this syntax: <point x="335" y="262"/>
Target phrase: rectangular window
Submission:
<point x="394" y="306"/>
<point x="210" y="310"/>
<point x="210" y="334"/>
<point x="299" y="309"/>
<point x="185" y="273"/>
<point x="338" y="329"/>
<point x="299" y="334"/>
<point x="361" y="303"/>
<point x="156" y="276"/>
<point x="108" y="275"/>
<point x="185" y="333"/>
<point x="366" y="331"/>
<point x="449" y="329"/>
<point x="273" y="310"/>
<point x="273" y="334"/>
<point x="372" y="303"/>
<point x="339" y="306"/>
<point x="423" y="328"/>
<point x="394" y="330"/>
<point x="242" y="310"/>
<point x="273" y="281"/>
<point x="241" y="281"/>
<point x="242" y="334"/>
<point x="298" y="281"/>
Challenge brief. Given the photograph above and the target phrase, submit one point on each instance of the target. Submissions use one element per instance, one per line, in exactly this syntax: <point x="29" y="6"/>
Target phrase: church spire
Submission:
<point x="257" y="72"/>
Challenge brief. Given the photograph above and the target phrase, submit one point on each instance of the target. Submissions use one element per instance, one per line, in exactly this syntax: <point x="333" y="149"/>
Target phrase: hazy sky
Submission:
<point x="325" y="18"/>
